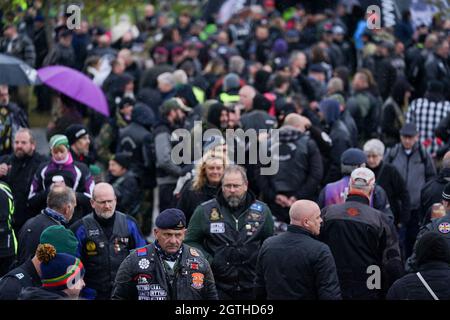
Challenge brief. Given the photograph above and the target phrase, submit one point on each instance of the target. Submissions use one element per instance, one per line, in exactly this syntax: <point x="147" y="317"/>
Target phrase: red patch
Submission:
<point x="194" y="266"/>
<point x="353" y="212"/>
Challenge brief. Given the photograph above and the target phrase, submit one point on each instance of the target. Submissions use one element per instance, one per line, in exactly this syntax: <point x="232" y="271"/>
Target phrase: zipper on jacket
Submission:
<point x="237" y="222"/>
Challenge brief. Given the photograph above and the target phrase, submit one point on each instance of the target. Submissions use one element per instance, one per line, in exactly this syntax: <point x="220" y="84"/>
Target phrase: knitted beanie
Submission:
<point x="59" y="271"/>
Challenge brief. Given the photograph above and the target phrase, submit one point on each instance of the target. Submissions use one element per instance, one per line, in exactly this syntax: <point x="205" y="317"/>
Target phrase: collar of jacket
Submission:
<point x="358" y="197"/>
<point x="297" y="229"/>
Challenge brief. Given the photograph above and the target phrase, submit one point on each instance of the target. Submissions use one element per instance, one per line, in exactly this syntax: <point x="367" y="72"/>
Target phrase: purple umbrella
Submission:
<point x="76" y="85"/>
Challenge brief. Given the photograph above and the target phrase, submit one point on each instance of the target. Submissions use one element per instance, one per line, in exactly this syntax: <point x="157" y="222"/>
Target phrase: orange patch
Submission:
<point x="197" y="280"/>
<point x="352" y="212"/>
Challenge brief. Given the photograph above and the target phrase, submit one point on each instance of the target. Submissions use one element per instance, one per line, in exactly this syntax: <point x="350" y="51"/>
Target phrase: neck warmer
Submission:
<point x="166" y="256"/>
<point x="67" y="160"/>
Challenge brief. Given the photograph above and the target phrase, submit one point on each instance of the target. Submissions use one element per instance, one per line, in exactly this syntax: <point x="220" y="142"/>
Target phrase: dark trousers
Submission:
<point x="236" y="295"/>
<point x="412" y="229"/>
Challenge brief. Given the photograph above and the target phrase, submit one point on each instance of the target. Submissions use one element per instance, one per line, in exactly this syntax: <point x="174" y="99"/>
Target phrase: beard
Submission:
<point x="235" y="201"/>
<point x="105" y="215"/>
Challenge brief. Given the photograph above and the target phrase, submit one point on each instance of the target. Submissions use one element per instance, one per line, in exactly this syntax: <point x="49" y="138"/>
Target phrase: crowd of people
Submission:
<point x="363" y="138"/>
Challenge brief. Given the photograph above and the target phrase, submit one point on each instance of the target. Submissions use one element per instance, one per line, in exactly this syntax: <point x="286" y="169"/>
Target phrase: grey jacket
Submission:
<point x="416" y="169"/>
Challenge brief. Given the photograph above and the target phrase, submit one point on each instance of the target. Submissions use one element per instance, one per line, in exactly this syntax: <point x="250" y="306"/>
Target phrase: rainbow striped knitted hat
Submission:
<point x="61" y="271"/>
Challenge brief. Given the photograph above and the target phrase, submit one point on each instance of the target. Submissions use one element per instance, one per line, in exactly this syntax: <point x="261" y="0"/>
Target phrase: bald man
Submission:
<point x="255" y="107"/>
<point x="106" y="237"/>
<point x="300" y="169"/>
<point x="294" y="265"/>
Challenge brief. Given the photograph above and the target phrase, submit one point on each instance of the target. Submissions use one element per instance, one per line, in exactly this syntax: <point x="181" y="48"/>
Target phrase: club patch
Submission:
<point x="144" y="264"/>
<point x="197" y="280"/>
<point x="257" y="207"/>
<point x="444" y="227"/>
<point x="218" y="227"/>
<point x="194" y="252"/>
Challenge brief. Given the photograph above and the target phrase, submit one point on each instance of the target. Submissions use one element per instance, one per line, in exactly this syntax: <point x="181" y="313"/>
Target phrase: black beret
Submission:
<point x="171" y="219"/>
<point x="75" y="132"/>
<point x="353" y="157"/>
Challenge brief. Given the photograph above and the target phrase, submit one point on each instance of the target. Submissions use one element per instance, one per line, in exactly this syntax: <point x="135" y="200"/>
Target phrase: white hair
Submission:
<point x="374" y="146"/>
<point x="167" y="77"/>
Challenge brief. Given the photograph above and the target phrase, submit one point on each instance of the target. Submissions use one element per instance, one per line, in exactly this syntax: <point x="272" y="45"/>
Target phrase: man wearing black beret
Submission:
<point x="166" y="269"/>
<point x="438" y="225"/>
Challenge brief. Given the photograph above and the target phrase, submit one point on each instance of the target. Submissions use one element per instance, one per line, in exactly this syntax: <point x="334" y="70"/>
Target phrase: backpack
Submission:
<point x="393" y="152"/>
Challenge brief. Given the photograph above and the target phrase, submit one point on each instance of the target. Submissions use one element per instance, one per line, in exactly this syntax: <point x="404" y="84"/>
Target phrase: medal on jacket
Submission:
<point x="116" y="246"/>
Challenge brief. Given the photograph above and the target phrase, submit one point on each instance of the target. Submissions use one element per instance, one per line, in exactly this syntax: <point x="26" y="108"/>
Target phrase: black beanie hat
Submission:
<point x="432" y="247"/>
<point x="123" y="159"/>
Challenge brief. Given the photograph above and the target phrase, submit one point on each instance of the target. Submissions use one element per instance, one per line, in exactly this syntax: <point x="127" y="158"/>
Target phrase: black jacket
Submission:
<point x="432" y="193"/>
<point x="341" y="141"/>
<point x="388" y="177"/>
<point x="40" y="293"/>
<point x="435" y="273"/>
<point x="17" y="279"/>
<point x="354" y="222"/>
<point x="190" y="199"/>
<point x="30" y="234"/>
<point x="300" y="170"/>
<point x="294" y="265"/>
<point x="365" y="110"/>
<point x="128" y="192"/>
<point x="19" y="178"/>
<point x="257" y="120"/>
<point x="143" y="275"/>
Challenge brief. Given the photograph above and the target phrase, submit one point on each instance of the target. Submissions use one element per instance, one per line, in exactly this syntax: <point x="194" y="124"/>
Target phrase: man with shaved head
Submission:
<point x="294" y="265"/>
<point x="255" y="106"/>
<point x="105" y="237"/>
<point x="300" y="168"/>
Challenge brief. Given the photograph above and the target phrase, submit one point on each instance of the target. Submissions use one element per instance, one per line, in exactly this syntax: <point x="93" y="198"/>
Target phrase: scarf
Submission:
<point x="56" y="215"/>
<point x="166" y="256"/>
<point x="68" y="160"/>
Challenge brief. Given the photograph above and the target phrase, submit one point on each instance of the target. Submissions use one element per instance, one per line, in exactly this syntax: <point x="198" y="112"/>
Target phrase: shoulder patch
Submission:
<point x="444" y="227"/>
<point x="194" y="252"/>
<point x="141" y="252"/>
<point x="353" y="212"/>
<point x="257" y="207"/>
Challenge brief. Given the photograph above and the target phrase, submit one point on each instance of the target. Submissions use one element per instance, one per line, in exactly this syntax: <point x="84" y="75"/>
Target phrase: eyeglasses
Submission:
<point x="232" y="186"/>
<point x="105" y="202"/>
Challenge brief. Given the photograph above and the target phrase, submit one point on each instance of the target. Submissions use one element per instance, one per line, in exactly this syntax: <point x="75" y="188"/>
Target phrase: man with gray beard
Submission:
<point x="229" y="230"/>
<point x="106" y="237"/>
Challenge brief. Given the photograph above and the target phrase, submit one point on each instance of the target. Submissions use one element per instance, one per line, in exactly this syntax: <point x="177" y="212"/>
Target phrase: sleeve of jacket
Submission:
<point x="30" y="53"/>
<point x="381" y="202"/>
<point x="268" y="225"/>
<point x="124" y="288"/>
<point x="135" y="232"/>
<point x="411" y="262"/>
<point x="403" y="195"/>
<point x="327" y="282"/>
<point x="314" y="173"/>
<point x="80" y="232"/>
<point x="163" y="148"/>
<point x="37" y="197"/>
<point x="195" y="234"/>
<point x="211" y="290"/>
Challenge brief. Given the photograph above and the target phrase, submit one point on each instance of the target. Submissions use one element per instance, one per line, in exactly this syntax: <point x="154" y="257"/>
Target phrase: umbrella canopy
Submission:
<point x="76" y="85"/>
<point x="15" y="72"/>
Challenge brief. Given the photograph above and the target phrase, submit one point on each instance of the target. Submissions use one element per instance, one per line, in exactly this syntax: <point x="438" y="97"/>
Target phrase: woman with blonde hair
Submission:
<point x="206" y="182"/>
